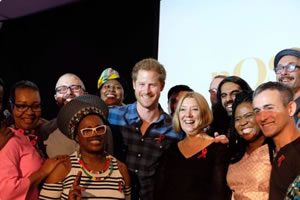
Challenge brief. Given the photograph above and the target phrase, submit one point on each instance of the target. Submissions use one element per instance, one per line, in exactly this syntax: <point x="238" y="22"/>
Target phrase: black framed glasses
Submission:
<point x="288" y="68"/>
<point x="24" y="107"/>
<point x="64" y="89"/>
<point x="88" y="132"/>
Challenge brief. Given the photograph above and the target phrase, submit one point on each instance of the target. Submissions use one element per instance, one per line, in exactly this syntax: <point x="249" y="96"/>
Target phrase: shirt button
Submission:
<point x="137" y="128"/>
<point x="136" y="170"/>
<point x="142" y="139"/>
<point x="160" y="146"/>
<point x="139" y="155"/>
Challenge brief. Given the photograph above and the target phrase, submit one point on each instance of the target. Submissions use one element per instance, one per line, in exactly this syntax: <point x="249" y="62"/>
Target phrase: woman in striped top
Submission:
<point x="90" y="173"/>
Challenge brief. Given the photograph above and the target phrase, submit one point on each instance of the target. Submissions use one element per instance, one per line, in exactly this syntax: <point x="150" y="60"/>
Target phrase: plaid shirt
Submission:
<point x="141" y="153"/>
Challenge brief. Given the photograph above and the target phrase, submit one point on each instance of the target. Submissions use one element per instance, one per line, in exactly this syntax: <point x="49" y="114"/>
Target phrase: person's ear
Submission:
<point x="133" y="84"/>
<point x="162" y="86"/>
<point x="292" y="107"/>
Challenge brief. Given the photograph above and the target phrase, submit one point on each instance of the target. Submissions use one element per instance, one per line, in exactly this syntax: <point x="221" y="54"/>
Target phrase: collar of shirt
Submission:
<point x="134" y="118"/>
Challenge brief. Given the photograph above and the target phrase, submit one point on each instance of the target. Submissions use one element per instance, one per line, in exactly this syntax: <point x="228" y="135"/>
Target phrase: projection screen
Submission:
<point x="201" y="39"/>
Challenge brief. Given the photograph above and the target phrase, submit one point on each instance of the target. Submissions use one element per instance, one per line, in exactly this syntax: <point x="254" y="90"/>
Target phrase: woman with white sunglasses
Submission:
<point x="91" y="172"/>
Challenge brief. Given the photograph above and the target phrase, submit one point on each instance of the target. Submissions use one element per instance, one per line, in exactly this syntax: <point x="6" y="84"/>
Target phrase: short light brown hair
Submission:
<point x="149" y="64"/>
<point x="205" y="112"/>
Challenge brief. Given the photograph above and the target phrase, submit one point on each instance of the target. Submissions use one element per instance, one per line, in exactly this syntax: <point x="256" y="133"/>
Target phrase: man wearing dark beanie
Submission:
<point x="286" y="67"/>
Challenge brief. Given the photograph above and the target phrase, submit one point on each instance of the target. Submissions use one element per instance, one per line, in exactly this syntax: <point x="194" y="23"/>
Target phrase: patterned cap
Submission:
<point x="107" y="74"/>
<point x="73" y="112"/>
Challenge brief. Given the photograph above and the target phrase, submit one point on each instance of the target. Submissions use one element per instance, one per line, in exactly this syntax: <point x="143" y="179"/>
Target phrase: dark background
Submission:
<point x="83" y="38"/>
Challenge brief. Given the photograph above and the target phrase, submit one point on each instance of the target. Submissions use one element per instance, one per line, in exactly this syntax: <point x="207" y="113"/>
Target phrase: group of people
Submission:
<point x="245" y="146"/>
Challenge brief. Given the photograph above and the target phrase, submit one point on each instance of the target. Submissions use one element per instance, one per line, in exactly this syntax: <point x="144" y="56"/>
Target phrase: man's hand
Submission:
<point x="5" y="135"/>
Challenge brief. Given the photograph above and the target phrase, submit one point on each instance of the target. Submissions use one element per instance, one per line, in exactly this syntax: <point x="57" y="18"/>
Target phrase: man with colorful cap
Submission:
<point x="286" y="67"/>
<point x="110" y="87"/>
<point x="142" y="131"/>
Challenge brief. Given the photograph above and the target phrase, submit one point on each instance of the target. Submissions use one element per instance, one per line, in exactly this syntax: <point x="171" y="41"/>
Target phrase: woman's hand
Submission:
<point x="75" y="191"/>
<point x="220" y="138"/>
<point x="50" y="164"/>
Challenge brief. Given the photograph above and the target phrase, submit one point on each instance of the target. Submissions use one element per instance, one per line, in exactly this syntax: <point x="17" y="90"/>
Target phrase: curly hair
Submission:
<point x="237" y="145"/>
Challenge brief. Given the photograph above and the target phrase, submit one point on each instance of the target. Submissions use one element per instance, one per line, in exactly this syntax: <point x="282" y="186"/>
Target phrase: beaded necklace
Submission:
<point x="88" y="172"/>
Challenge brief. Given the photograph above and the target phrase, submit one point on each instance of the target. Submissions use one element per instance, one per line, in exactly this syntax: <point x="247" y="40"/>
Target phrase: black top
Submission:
<point x="285" y="168"/>
<point x="202" y="176"/>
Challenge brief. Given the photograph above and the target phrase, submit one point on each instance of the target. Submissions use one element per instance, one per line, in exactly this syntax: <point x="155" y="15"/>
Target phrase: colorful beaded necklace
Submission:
<point x="88" y="172"/>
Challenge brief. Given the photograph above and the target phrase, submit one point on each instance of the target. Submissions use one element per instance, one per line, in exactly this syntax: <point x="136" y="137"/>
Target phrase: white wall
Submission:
<point x="199" y="39"/>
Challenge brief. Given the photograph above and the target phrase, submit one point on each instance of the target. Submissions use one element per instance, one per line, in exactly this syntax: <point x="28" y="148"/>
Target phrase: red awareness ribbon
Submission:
<point x="203" y="153"/>
<point x="160" y="138"/>
<point x="280" y="159"/>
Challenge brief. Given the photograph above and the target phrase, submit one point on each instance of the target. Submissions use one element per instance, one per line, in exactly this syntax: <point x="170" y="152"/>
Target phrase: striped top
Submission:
<point x="109" y="187"/>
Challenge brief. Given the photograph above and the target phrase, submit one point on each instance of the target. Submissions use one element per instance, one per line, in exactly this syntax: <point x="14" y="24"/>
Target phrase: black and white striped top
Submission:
<point x="109" y="187"/>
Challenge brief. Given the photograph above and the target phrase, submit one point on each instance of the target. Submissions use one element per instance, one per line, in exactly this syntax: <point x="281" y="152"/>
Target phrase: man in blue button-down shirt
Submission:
<point x="142" y="131"/>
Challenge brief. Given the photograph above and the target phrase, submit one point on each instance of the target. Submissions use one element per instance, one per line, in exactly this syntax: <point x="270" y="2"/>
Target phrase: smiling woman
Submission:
<point x="110" y="87"/>
<point x="194" y="168"/>
<point x="22" y="167"/>
<point x="93" y="172"/>
<point x="26" y="116"/>
<point x="251" y="153"/>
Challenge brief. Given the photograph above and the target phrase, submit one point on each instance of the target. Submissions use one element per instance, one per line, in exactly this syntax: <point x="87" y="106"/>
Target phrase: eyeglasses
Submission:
<point x="23" y="107"/>
<point x="288" y="68"/>
<point x="63" y="89"/>
<point x="115" y="87"/>
<point x="88" y="132"/>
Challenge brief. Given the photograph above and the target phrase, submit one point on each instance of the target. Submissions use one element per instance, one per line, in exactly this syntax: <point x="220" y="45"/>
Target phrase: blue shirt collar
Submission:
<point x="132" y="114"/>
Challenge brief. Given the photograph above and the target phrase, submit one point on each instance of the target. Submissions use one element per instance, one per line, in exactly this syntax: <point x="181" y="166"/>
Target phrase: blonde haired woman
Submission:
<point x="194" y="168"/>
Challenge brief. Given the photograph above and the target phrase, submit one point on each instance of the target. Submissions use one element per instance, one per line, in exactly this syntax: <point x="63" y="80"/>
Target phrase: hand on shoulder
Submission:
<point x="61" y="169"/>
<point x="221" y="138"/>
